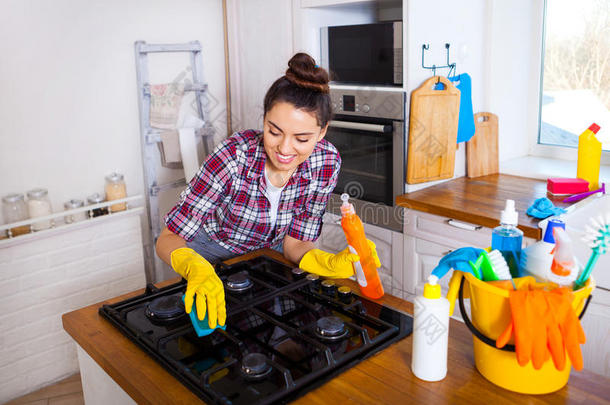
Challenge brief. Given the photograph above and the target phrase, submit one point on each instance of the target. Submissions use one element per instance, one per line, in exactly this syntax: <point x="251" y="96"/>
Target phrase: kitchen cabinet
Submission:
<point x="389" y="249"/>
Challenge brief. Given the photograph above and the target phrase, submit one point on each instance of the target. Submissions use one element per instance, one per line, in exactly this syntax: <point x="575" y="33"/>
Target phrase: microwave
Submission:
<point x="364" y="54"/>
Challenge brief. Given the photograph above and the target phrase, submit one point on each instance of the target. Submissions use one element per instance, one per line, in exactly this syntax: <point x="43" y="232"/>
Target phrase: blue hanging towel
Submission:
<point x="466" y="121"/>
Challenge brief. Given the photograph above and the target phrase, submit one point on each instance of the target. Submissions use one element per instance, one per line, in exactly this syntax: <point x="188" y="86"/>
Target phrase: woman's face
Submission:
<point x="289" y="136"/>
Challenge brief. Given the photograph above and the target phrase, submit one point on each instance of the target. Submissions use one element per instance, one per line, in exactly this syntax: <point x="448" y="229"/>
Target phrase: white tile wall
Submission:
<point x="57" y="272"/>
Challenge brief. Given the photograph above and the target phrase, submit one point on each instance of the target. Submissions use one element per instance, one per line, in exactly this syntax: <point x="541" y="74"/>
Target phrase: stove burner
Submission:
<point x="238" y="282"/>
<point x="255" y="366"/>
<point x="165" y="309"/>
<point x="331" y="328"/>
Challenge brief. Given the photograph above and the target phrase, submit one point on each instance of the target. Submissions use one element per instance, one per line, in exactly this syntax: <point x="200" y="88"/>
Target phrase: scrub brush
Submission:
<point x="598" y="239"/>
<point x="493" y="267"/>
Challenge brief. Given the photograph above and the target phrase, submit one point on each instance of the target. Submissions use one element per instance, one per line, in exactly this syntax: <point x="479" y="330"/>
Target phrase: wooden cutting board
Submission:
<point x="433" y="125"/>
<point x="482" y="148"/>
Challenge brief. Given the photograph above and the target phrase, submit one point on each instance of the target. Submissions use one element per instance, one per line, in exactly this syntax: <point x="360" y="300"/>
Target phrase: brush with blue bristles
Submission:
<point x="598" y="239"/>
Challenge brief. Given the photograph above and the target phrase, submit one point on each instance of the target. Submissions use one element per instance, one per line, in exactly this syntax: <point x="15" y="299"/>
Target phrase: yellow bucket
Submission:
<point x="490" y="310"/>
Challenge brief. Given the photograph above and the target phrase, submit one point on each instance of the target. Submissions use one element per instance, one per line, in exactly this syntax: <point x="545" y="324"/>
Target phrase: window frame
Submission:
<point x="537" y="149"/>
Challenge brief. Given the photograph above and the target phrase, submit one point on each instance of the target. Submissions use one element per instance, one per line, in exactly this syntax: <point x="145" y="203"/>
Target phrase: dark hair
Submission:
<point x="305" y="85"/>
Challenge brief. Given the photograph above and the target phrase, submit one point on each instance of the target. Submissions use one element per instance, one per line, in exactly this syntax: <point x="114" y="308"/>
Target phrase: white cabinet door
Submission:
<point x="596" y="323"/>
<point x="260" y="46"/>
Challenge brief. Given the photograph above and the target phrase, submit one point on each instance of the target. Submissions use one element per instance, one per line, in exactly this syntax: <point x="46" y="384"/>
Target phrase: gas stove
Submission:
<point x="287" y="333"/>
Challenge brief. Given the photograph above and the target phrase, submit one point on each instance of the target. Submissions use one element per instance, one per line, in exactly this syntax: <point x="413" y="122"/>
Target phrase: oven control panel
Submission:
<point x="371" y="103"/>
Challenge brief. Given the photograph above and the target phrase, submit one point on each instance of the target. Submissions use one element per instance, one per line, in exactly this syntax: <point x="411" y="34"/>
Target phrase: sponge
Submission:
<point x="562" y="186"/>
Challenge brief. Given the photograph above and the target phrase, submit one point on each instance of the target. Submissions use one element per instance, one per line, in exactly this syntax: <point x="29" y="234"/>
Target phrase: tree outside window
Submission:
<point x="576" y="71"/>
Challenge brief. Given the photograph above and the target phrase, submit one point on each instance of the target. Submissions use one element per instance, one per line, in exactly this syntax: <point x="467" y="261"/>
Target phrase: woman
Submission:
<point x="260" y="190"/>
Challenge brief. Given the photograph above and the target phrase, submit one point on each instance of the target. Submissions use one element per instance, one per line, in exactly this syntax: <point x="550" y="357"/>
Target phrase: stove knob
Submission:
<point x="314" y="282"/>
<point x="365" y="108"/>
<point x="345" y="294"/>
<point x="298" y="273"/>
<point x="329" y="288"/>
<point x="334" y="106"/>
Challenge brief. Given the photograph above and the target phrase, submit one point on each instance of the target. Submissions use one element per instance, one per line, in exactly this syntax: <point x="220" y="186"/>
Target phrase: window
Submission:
<point x="576" y="71"/>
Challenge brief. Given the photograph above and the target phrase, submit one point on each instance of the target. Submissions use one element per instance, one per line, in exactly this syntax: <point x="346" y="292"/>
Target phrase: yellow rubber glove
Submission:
<point x="334" y="265"/>
<point x="203" y="281"/>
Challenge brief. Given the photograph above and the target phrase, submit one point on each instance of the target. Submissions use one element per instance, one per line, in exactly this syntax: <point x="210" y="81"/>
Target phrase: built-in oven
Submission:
<point x="368" y="130"/>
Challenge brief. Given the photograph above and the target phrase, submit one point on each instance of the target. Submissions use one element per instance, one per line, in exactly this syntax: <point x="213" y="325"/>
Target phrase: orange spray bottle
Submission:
<point x="365" y="269"/>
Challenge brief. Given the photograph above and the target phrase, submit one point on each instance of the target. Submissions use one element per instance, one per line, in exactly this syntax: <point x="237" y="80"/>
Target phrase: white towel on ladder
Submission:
<point x="188" y="145"/>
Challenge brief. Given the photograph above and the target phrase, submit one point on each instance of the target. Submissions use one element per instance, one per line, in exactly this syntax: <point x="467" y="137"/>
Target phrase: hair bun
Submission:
<point x="303" y="71"/>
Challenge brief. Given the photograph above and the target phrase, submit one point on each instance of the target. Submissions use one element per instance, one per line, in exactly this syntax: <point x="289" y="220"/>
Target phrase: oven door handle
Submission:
<point x="362" y="126"/>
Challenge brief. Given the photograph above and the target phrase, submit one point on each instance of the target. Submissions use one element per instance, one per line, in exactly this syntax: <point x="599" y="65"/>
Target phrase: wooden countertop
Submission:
<point x="384" y="378"/>
<point x="480" y="200"/>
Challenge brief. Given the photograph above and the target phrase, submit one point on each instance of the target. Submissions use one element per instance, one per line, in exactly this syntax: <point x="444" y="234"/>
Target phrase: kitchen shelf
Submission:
<point x="61" y="227"/>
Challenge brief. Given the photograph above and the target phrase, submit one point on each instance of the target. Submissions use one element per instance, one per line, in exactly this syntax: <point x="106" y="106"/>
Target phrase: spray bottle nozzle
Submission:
<point x="346" y="207"/>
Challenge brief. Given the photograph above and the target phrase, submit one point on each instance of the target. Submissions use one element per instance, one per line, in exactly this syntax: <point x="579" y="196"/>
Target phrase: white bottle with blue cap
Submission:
<point x="536" y="259"/>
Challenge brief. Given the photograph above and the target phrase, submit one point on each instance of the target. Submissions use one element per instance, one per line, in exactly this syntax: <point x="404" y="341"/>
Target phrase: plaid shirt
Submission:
<point x="226" y="198"/>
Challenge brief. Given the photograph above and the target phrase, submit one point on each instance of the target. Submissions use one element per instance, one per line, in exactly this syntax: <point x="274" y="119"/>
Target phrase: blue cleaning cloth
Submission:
<point x="458" y="260"/>
<point x="466" y="120"/>
<point x="201" y="327"/>
<point x="543" y="208"/>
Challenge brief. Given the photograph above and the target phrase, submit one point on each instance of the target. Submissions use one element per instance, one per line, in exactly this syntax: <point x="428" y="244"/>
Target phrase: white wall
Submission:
<point x="69" y="110"/>
<point x="513" y="74"/>
<point x="463" y="26"/>
<point x="259" y="54"/>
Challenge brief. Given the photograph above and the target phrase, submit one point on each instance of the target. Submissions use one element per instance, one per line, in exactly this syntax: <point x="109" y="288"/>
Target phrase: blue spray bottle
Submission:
<point x="507" y="238"/>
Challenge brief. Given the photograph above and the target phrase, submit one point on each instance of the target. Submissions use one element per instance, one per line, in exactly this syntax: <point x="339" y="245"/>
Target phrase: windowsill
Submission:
<point x="543" y="167"/>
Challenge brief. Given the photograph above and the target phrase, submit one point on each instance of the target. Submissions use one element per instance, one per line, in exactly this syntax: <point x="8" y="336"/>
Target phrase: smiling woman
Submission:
<point x="258" y="190"/>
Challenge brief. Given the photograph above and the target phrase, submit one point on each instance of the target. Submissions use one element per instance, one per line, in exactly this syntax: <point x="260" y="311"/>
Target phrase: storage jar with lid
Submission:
<point x="96" y="199"/>
<point x="14" y="209"/>
<point x="39" y="206"/>
<point x="116" y="190"/>
<point x="77" y="216"/>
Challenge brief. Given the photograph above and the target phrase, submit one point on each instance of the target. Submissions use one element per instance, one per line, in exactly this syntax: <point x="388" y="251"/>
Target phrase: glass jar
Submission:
<point x="96" y="199"/>
<point x="39" y="206"/>
<point x="77" y="216"/>
<point x="116" y="190"/>
<point x="14" y="209"/>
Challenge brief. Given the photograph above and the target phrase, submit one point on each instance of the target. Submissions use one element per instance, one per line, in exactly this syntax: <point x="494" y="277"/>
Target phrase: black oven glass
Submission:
<point x="362" y="53"/>
<point x="366" y="167"/>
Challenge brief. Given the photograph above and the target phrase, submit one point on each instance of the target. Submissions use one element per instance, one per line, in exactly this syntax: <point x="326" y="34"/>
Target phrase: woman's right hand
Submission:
<point x="203" y="283"/>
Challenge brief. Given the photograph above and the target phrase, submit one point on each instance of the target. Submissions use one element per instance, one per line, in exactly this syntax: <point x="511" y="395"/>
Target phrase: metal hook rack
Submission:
<point x="449" y="65"/>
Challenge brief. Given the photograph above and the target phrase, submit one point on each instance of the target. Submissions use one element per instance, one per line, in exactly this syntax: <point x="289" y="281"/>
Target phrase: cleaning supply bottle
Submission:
<point x="537" y="258"/>
<point x="507" y="238"/>
<point x="589" y="156"/>
<point x="365" y="269"/>
<point x="430" y="333"/>
<point x="564" y="268"/>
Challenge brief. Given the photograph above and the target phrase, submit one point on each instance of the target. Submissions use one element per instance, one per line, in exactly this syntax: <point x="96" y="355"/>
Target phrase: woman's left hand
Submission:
<point x="338" y="265"/>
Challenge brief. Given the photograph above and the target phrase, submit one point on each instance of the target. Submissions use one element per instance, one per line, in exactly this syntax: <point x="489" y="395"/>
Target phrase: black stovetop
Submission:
<point x="286" y="333"/>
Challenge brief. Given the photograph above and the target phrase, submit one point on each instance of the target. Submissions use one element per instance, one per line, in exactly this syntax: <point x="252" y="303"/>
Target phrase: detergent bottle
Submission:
<point x="536" y="259"/>
<point x="430" y="333"/>
<point x="589" y="156"/>
<point x="507" y="238"/>
<point x="365" y="269"/>
<point x="564" y="268"/>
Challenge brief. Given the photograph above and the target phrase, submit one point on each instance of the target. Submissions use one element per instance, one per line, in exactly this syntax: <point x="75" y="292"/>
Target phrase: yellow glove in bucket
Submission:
<point x="203" y="282"/>
<point x="338" y="265"/>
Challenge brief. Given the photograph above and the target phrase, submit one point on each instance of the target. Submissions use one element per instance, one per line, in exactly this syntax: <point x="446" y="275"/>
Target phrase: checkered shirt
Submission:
<point x="226" y="198"/>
